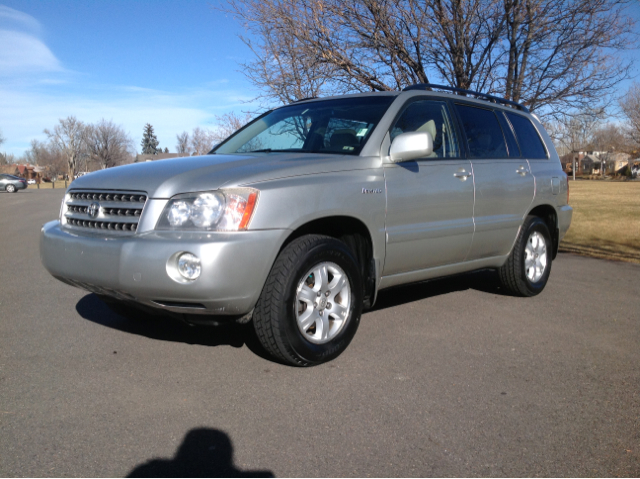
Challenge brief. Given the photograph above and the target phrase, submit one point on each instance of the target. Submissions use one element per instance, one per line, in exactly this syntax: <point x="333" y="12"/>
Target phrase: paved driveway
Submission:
<point x="448" y="378"/>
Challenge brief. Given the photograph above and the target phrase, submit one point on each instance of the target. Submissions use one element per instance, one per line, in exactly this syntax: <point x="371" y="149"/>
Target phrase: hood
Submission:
<point x="166" y="178"/>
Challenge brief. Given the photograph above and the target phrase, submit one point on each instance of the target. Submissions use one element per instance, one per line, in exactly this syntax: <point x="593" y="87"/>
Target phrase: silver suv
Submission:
<point x="297" y="220"/>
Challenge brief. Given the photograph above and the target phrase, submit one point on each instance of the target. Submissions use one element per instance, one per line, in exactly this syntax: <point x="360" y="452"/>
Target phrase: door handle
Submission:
<point x="463" y="175"/>
<point x="522" y="171"/>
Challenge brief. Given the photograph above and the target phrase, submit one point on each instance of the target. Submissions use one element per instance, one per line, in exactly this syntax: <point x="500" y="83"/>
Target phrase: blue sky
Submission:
<point x="173" y="64"/>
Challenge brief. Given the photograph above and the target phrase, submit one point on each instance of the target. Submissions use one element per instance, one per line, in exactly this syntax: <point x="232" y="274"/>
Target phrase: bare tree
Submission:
<point x="37" y="153"/>
<point x="3" y="159"/>
<point x="183" y="146"/>
<point x="50" y="157"/>
<point x="108" y="144"/>
<point x="575" y="132"/>
<point x="228" y="124"/>
<point x="201" y="141"/>
<point x="611" y="138"/>
<point x="563" y="55"/>
<point x="550" y="55"/>
<point x="630" y="104"/>
<point x="69" y="136"/>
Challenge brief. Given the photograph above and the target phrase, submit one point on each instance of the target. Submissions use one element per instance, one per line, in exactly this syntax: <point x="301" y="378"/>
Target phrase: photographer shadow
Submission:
<point x="204" y="452"/>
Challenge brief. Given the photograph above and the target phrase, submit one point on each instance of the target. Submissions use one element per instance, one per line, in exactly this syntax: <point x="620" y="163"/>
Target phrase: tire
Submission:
<point x="310" y="307"/>
<point x="11" y="189"/>
<point x="527" y="269"/>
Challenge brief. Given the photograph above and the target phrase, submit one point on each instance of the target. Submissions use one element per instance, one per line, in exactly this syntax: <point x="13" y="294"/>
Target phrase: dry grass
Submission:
<point x="606" y="220"/>
<point x="47" y="186"/>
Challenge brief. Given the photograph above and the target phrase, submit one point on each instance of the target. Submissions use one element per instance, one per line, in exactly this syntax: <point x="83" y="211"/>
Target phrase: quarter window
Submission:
<point x="434" y="118"/>
<point x="528" y="137"/>
<point x="484" y="135"/>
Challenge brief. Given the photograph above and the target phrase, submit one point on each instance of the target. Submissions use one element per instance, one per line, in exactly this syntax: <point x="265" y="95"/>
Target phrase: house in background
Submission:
<point x="23" y="171"/>
<point x="592" y="162"/>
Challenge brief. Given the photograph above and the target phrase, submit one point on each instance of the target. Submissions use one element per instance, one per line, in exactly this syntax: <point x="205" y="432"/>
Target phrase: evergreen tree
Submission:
<point x="149" y="141"/>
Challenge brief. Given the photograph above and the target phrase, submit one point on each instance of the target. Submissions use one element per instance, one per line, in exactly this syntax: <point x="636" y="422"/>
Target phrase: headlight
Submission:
<point x="222" y="210"/>
<point x="63" y="208"/>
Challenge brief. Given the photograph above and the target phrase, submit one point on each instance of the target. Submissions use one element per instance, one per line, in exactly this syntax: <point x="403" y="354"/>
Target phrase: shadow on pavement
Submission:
<point x="204" y="452"/>
<point x="485" y="281"/>
<point x="164" y="328"/>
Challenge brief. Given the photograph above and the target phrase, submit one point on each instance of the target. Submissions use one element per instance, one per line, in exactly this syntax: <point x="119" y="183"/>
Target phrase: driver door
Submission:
<point x="429" y="220"/>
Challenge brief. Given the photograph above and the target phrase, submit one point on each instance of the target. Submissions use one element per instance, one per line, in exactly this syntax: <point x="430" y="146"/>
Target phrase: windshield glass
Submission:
<point x="331" y="126"/>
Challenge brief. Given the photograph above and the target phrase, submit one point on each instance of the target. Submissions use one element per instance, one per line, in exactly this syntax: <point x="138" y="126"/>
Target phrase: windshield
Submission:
<point x="330" y="126"/>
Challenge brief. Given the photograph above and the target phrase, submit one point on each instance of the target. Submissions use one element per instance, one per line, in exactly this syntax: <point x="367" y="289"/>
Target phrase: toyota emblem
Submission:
<point x="94" y="209"/>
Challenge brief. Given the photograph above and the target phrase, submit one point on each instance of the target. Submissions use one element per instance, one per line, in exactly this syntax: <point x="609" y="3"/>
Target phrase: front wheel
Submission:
<point x="11" y="189"/>
<point x="527" y="269"/>
<point x="310" y="306"/>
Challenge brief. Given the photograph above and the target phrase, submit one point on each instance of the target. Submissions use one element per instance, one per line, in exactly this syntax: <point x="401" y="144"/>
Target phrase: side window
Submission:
<point x="512" y="144"/>
<point x="528" y="137"/>
<point x="484" y="135"/>
<point x="432" y="117"/>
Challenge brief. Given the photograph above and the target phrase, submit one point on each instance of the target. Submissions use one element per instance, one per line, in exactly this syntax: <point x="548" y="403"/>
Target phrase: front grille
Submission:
<point x="108" y="211"/>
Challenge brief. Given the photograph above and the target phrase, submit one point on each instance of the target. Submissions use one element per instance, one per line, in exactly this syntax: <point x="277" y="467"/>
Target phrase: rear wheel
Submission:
<point x="310" y="307"/>
<point x="11" y="189"/>
<point x="527" y="269"/>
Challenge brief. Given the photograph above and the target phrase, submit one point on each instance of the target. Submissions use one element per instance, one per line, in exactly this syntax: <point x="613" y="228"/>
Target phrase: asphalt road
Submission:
<point x="447" y="378"/>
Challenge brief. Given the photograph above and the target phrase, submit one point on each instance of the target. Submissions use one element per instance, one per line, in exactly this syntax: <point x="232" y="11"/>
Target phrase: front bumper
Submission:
<point x="134" y="268"/>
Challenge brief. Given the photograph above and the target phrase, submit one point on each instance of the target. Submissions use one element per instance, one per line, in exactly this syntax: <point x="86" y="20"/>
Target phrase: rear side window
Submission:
<point x="484" y="135"/>
<point x="528" y="138"/>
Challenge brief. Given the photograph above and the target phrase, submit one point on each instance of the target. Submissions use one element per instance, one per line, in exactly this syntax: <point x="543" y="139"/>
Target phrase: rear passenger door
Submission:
<point x="430" y="200"/>
<point x="504" y="186"/>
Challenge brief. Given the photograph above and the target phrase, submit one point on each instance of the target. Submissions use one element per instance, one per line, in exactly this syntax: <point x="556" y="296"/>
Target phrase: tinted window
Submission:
<point x="528" y="138"/>
<point x="329" y="126"/>
<point x="484" y="135"/>
<point x="514" y="151"/>
<point x="434" y="118"/>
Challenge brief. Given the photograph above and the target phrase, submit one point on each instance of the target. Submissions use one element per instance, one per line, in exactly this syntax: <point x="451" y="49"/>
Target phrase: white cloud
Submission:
<point x="36" y="91"/>
<point x="24" y="53"/>
<point x="14" y="19"/>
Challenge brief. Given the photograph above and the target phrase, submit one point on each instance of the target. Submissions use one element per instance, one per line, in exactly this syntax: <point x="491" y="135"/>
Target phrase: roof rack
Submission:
<point x="480" y="96"/>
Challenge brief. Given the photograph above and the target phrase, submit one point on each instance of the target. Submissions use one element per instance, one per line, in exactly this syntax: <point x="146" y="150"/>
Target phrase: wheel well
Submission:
<point x="354" y="234"/>
<point x="548" y="214"/>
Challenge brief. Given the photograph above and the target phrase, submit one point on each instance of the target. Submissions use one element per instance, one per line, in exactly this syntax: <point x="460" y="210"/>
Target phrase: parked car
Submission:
<point x="300" y="218"/>
<point x="31" y="181"/>
<point x="11" y="184"/>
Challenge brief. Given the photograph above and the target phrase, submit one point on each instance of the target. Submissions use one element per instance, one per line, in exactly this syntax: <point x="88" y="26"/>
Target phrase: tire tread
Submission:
<point x="270" y="304"/>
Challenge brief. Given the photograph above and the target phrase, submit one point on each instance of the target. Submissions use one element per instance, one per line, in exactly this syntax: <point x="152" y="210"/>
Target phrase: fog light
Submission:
<point x="189" y="266"/>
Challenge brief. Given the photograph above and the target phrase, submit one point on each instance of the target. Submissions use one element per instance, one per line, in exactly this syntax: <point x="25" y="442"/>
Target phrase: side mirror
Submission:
<point x="409" y="146"/>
